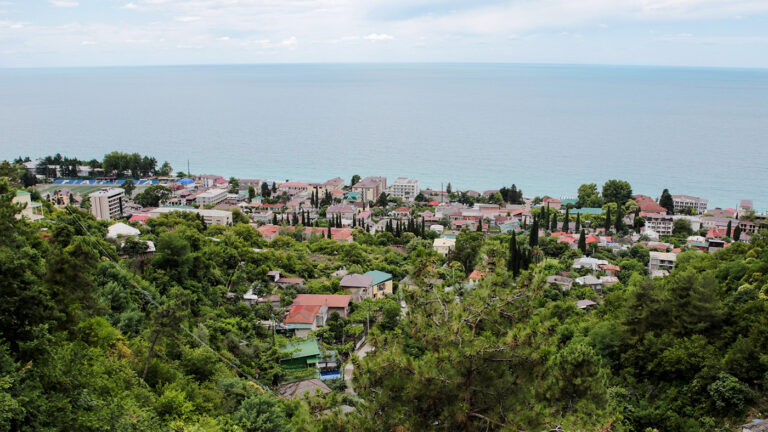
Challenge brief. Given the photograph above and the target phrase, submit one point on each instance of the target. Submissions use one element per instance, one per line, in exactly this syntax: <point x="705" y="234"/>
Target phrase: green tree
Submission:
<point x="165" y="170"/>
<point x="566" y="221"/>
<point x="589" y="196"/>
<point x="261" y="413"/>
<point x="265" y="191"/>
<point x="251" y="193"/>
<point x="617" y="191"/>
<point x="607" y="221"/>
<point x="153" y="196"/>
<point x="128" y="186"/>
<point x="667" y="202"/>
<point x="355" y="180"/>
<point x="728" y="230"/>
<point x="382" y="200"/>
<point x="582" y="242"/>
<point x="737" y="233"/>
<point x="468" y="244"/>
<point x="682" y="227"/>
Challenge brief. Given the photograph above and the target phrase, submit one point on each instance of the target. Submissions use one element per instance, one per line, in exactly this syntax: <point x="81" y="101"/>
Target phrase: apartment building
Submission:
<point x="108" y="203"/>
<point x="370" y="188"/>
<point x="660" y="223"/>
<point x="685" y="202"/>
<point x="211" y="196"/>
<point x="404" y="188"/>
<point x="661" y="261"/>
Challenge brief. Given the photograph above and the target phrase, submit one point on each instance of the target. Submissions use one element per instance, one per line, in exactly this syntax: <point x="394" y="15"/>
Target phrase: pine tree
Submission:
<point x="728" y="230"/>
<point x="667" y="202"/>
<point x="607" y="224"/>
<point x="566" y="221"/>
<point x="737" y="233"/>
<point x="582" y="242"/>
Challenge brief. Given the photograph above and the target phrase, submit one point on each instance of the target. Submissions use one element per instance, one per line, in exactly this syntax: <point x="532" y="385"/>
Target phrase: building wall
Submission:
<point x="381" y="290"/>
<point x="107" y="204"/>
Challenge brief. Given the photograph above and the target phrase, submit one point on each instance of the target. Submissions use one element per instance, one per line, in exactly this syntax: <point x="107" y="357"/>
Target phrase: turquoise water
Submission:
<point x="548" y="129"/>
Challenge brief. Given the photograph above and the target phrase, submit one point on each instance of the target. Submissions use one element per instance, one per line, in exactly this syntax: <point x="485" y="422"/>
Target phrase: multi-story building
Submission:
<point x="370" y="188"/>
<point x="29" y="209"/>
<point x="660" y="223"/>
<point x="661" y="261"/>
<point x="405" y="189"/>
<point x="210" y="217"/>
<point x="685" y="202"/>
<point x="211" y="196"/>
<point x="108" y="203"/>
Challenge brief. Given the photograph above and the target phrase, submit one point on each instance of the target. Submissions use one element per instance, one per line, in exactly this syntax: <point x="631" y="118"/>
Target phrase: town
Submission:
<point x="329" y="266"/>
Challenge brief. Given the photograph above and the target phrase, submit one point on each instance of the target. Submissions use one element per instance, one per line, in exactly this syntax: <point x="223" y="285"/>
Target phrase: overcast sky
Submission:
<point x="731" y="33"/>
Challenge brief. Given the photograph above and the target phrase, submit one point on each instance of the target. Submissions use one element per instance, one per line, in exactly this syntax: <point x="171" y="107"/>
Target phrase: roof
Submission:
<point x="665" y="256"/>
<point x="647" y="204"/>
<point x="301" y="314"/>
<point x="21" y="193"/>
<point x="121" y="230"/>
<point x="476" y="274"/>
<point x="583" y="304"/>
<point x="378" y="276"/>
<point x="610" y="267"/>
<point x="299" y="349"/>
<point x="402" y="210"/>
<point x="139" y="218"/>
<point x="284" y="280"/>
<point x="299" y="388"/>
<point x="587" y="280"/>
<point x="330" y="300"/>
<point x="370" y="182"/>
<point x="356" y="281"/>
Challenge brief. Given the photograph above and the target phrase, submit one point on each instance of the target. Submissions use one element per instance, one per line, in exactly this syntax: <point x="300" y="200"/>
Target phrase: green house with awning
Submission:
<point x="301" y="354"/>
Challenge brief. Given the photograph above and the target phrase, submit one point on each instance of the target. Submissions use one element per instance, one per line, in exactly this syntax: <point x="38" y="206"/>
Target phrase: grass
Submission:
<point x="81" y="190"/>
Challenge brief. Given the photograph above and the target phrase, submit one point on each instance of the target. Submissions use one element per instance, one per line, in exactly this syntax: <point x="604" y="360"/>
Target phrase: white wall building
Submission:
<point x="210" y="217"/>
<point x="108" y="203"/>
<point x="661" y="261"/>
<point x="659" y="223"/>
<point x="684" y="202"/>
<point x="211" y="196"/>
<point x="405" y="188"/>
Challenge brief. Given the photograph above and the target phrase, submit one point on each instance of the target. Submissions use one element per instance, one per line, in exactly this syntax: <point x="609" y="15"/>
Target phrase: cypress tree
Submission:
<point x="566" y="221"/>
<point x="533" y="238"/>
<point x="607" y="224"/>
<point x="354" y="222"/>
<point x="423" y="227"/>
<point x="513" y="263"/>
<point x="294" y="219"/>
<point x="329" y="230"/>
<point x="577" y="228"/>
<point x="274" y="218"/>
<point x="619" y="220"/>
<point x="737" y="233"/>
<point x="480" y="225"/>
<point x="667" y="202"/>
<point x="728" y="230"/>
<point x="582" y="242"/>
<point x="553" y="228"/>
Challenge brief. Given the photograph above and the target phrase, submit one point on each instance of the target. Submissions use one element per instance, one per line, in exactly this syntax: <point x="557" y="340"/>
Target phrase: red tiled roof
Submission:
<point x="433" y="203"/>
<point x="476" y="274"/>
<point x="610" y="267"/>
<point x="296" y="281"/>
<point x="647" y="204"/>
<point x="302" y="314"/>
<point x="402" y="210"/>
<point x="139" y="218"/>
<point x="330" y="300"/>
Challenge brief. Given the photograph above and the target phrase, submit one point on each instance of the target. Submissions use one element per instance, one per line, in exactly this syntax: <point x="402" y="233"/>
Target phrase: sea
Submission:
<point x="545" y="128"/>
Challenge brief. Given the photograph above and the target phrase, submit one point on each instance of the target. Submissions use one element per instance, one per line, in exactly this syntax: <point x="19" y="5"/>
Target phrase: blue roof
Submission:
<point x="186" y="181"/>
<point x="379" y="276"/>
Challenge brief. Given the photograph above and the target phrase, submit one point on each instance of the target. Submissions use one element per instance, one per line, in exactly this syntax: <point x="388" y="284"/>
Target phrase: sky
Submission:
<point x="55" y="33"/>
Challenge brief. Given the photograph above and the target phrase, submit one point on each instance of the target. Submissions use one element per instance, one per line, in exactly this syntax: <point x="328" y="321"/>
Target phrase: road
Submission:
<point x="349" y="369"/>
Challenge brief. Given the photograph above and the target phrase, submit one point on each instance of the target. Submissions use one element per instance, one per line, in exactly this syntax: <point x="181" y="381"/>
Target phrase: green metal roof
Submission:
<point x="567" y="201"/>
<point x="587" y="210"/>
<point x="21" y="193"/>
<point x="379" y="276"/>
<point x="300" y="349"/>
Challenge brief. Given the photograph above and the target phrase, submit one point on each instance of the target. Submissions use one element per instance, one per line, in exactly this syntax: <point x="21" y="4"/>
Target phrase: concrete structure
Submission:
<point x="444" y="246"/>
<point x="370" y="188"/>
<point x="659" y="223"/>
<point x="29" y="209"/>
<point x="108" y="203"/>
<point x="358" y="286"/>
<point x="210" y="217"/>
<point x="405" y="189"/>
<point x="565" y="283"/>
<point x="685" y="202"/>
<point x="122" y="230"/>
<point x="208" y="180"/>
<point x="661" y="261"/>
<point x="211" y="196"/>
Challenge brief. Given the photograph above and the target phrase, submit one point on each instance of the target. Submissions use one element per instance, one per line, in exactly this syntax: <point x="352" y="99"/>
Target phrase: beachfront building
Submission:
<point x="404" y="188"/>
<point x="211" y="196"/>
<point x="370" y="188"/>
<point x="108" y="203"/>
<point x="684" y="202"/>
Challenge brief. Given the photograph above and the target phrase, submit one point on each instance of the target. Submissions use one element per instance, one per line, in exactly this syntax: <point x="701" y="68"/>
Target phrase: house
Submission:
<point x="402" y="212"/>
<point x="334" y="184"/>
<point x="475" y="277"/>
<point x="29" y="209"/>
<point x="591" y="282"/>
<point x="552" y="203"/>
<point x="755" y="426"/>
<point x="298" y="389"/>
<point x="584" y="304"/>
<point x="714" y="245"/>
<point x="381" y="284"/>
<point x="208" y="180"/>
<point x="358" y="286"/>
<point x="610" y="269"/>
<point x="444" y="246"/>
<point x="648" y="205"/>
<point x="685" y="202"/>
<point x="300" y="354"/>
<point x="565" y="283"/>
<point x="346" y="211"/>
<point x="334" y="302"/>
<point x="370" y="187"/>
<point x="210" y="217"/>
<point x="304" y="318"/>
<point x="608" y="280"/>
<point x="745" y="207"/>
<point x="588" y="262"/>
<point x="293" y="188"/>
<point x="661" y="261"/>
<point x="284" y="281"/>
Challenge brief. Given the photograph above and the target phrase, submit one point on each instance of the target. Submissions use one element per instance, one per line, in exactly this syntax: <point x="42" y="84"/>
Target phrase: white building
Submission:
<point x="685" y="202"/>
<point x="661" y="261"/>
<point x="108" y="203"/>
<point x="211" y="196"/>
<point x="444" y="246"/>
<point x="659" y="223"/>
<point x="405" y="188"/>
<point x="210" y="217"/>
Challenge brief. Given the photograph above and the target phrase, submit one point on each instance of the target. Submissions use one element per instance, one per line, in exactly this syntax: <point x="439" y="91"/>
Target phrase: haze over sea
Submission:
<point x="546" y="128"/>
